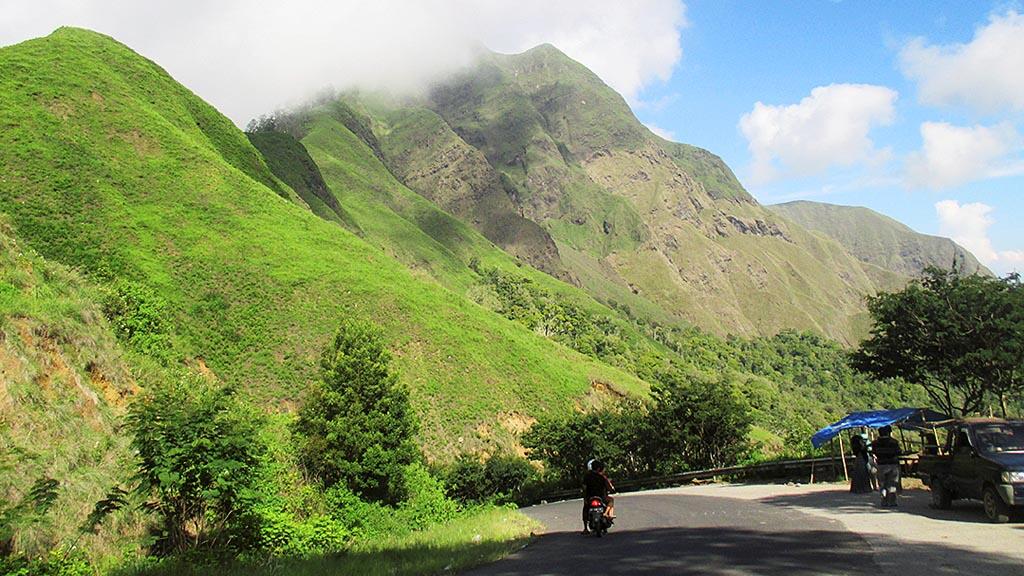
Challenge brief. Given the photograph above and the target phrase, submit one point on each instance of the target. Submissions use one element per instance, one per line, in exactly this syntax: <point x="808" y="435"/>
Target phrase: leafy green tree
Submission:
<point x="356" y="426"/>
<point x="566" y="443"/>
<point x="698" y="421"/>
<point x="960" y="337"/>
<point x="500" y="478"/>
<point x="198" y="456"/>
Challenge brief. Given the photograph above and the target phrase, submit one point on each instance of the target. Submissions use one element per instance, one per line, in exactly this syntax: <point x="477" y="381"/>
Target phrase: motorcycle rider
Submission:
<point x="597" y="484"/>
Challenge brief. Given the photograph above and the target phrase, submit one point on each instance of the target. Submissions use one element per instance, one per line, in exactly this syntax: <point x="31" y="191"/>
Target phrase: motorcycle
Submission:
<point x="597" y="522"/>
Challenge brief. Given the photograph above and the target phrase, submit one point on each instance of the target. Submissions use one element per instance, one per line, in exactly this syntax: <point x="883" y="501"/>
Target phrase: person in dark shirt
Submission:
<point x="860" y="476"/>
<point x="596" y="483"/>
<point x="887" y="457"/>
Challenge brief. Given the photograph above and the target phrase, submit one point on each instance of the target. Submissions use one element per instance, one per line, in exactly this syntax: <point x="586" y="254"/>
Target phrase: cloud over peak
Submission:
<point x="967" y="225"/>
<point x="248" y="57"/>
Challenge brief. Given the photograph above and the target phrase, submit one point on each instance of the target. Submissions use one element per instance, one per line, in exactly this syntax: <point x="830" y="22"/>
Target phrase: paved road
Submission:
<point x="770" y="531"/>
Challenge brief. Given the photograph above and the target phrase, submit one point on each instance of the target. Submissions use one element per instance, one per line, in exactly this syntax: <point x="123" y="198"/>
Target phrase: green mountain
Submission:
<point x="879" y="240"/>
<point x="112" y="167"/>
<point x="664" y="229"/>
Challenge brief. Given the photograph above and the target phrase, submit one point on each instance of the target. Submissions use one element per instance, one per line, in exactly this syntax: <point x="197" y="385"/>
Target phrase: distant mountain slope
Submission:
<point x="660" y="227"/>
<point x="112" y="167"/>
<point x="880" y="240"/>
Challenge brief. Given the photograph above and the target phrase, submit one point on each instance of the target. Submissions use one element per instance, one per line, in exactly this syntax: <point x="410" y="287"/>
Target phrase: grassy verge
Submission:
<point x="468" y="541"/>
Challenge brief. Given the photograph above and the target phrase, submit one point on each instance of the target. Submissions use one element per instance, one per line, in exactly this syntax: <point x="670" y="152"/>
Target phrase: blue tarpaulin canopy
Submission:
<point x="909" y="417"/>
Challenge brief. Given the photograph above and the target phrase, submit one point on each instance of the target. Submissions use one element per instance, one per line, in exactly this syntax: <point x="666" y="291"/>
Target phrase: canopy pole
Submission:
<point x="832" y="460"/>
<point x="812" y="468"/>
<point x="842" y="456"/>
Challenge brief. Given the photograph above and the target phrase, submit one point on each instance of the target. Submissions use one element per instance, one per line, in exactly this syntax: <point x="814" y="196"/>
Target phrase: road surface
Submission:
<point x="769" y="529"/>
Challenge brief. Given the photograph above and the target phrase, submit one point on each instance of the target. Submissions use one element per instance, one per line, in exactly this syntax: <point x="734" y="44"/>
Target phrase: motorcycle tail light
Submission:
<point x="595" y="503"/>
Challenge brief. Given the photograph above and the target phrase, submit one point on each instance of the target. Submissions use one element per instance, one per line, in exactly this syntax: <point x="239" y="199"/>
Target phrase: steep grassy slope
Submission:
<point x="111" y="166"/>
<point x="288" y="159"/>
<point x="64" y="380"/>
<point x="880" y="240"/>
<point x="638" y="220"/>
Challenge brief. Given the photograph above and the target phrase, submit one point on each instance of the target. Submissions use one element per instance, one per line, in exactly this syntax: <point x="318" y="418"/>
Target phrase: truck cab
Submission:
<point x="983" y="460"/>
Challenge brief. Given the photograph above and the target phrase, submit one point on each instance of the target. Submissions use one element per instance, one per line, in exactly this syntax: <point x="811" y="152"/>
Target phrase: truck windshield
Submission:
<point x="1000" y="437"/>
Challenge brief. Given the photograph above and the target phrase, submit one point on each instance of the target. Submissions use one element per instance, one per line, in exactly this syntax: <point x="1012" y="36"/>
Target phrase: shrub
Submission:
<point x="199" y="452"/>
<point x="499" y="479"/>
<point x="366" y="520"/>
<point x="427" y="502"/>
<point x="138" y="316"/>
<point x="566" y="443"/>
<point x="697" y="421"/>
<point x="280" y="533"/>
<point x="59" y="562"/>
<point x="356" y="427"/>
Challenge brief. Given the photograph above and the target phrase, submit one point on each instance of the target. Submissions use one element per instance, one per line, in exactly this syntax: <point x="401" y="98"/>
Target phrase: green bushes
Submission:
<point x="499" y="479"/>
<point x="137" y="314"/>
<point x="57" y="563"/>
<point x="697" y="421"/>
<point x="356" y="427"/>
<point x="198" y="455"/>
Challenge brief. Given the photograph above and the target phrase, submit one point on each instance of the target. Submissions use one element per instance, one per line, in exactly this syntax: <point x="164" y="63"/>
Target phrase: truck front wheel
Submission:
<point x="941" y="498"/>
<point x="995" y="509"/>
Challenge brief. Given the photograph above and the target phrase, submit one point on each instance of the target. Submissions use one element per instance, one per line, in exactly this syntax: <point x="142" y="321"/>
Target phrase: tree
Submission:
<point x="698" y="421"/>
<point x="960" y="337"/>
<point x="356" y="426"/>
<point x="199" y="452"/>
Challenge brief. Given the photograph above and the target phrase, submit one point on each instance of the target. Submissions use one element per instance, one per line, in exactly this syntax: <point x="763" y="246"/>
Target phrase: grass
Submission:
<point x="65" y="380"/>
<point x="450" y="548"/>
<point x="289" y="161"/>
<point x="114" y="168"/>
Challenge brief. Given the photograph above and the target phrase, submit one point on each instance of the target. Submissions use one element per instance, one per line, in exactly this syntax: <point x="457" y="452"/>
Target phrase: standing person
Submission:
<point x="887" y="456"/>
<point x="860" y="479"/>
<point x="596" y="483"/>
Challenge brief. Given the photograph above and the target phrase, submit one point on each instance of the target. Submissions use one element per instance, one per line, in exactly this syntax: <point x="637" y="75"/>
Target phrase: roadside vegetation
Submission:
<point x="215" y="484"/>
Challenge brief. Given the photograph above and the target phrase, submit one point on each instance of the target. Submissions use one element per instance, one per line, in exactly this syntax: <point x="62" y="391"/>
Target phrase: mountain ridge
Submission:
<point x="878" y="239"/>
<point x="638" y="220"/>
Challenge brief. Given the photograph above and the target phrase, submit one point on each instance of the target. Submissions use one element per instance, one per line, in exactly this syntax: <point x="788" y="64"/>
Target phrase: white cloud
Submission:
<point x="828" y="128"/>
<point x="666" y="134"/>
<point x="248" y="57"/>
<point x="953" y="155"/>
<point x="984" y="74"/>
<point x="968" y="225"/>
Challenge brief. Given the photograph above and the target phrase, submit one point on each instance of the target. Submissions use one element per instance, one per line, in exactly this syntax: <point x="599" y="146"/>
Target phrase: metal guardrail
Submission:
<point x="778" y="467"/>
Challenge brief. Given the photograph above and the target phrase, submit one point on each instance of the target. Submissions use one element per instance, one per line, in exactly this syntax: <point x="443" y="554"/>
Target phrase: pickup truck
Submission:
<point x="983" y="460"/>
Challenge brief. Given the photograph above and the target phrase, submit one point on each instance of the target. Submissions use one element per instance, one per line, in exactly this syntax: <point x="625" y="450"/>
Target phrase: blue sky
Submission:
<point x="735" y="54"/>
